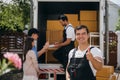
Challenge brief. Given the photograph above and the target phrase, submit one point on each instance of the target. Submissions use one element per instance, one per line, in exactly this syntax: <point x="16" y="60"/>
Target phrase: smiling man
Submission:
<point x="84" y="60"/>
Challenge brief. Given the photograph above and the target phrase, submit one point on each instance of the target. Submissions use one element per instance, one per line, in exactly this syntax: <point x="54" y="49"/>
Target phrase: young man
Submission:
<point x="84" y="60"/>
<point x="34" y="33"/>
<point x="68" y="41"/>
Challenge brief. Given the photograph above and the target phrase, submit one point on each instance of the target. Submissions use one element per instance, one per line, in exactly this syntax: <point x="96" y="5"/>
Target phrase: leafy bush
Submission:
<point x="14" y="16"/>
<point x="118" y="24"/>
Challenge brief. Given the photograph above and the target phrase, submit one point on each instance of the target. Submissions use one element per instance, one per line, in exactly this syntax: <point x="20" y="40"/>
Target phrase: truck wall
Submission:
<point x="113" y="16"/>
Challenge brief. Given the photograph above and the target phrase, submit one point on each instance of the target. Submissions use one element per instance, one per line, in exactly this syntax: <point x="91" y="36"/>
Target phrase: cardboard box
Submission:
<point x="88" y="15"/>
<point x="54" y="36"/>
<point x="74" y="23"/>
<point x="92" y="25"/>
<point x="105" y="72"/>
<point x="102" y="78"/>
<point x="54" y="25"/>
<point x="72" y="17"/>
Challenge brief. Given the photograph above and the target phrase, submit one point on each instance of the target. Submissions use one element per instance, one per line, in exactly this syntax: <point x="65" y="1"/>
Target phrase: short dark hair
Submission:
<point x="82" y="27"/>
<point x="63" y="17"/>
<point x="33" y="31"/>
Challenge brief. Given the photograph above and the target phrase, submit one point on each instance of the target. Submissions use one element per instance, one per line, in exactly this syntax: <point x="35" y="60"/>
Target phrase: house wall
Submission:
<point x="118" y="48"/>
<point x="113" y="16"/>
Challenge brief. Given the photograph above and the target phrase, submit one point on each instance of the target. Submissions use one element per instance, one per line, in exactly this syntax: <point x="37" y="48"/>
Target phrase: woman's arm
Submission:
<point x="44" y="49"/>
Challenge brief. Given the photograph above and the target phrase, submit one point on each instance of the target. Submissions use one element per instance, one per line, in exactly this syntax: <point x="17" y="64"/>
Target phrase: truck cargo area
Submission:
<point x="78" y="13"/>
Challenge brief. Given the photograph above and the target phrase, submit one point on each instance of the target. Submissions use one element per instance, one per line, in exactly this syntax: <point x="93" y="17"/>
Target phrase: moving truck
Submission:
<point x="45" y="19"/>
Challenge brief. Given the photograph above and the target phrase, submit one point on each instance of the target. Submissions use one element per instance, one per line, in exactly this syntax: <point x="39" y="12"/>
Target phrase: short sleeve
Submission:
<point x="70" y="55"/>
<point x="96" y="52"/>
<point x="70" y="33"/>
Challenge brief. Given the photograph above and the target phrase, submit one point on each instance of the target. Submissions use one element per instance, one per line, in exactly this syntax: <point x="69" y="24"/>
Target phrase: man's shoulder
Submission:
<point x="95" y="48"/>
<point x="70" y="25"/>
<point x="70" y="28"/>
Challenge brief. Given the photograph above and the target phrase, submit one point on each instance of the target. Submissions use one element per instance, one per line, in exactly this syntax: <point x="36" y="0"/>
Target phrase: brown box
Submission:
<point x="54" y="25"/>
<point x="92" y="25"/>
<point x="113" y="77"/>
<point x="105" y="72"/>
<point x="74" y="23"/>
<point x="72" y="17"/>
<point x="54" y="36"/>
<point x="88" y="15"/>
<point x="102" y="78"/>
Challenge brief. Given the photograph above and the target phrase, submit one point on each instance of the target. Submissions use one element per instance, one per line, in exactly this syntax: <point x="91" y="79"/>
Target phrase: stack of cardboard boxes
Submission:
<point x="54" y="28"/>
<point x="106" y="73"/>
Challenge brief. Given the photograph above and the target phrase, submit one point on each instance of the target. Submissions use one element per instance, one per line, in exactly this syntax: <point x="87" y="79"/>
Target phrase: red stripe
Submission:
<point x="51" y="70"/>
<point x="41" y="70"/>
<point x="46" y="69"/>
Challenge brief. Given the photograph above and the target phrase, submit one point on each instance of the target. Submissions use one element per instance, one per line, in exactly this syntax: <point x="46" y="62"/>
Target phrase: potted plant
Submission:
<point x="9" y="64"/>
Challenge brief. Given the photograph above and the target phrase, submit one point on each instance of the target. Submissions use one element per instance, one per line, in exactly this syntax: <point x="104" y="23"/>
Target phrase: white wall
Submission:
<point x="118" y="49"/>
<point x="113" y="16"/>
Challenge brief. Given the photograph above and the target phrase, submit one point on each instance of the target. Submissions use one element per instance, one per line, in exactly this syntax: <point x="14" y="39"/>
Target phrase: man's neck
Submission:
<point x="83" y="47"/>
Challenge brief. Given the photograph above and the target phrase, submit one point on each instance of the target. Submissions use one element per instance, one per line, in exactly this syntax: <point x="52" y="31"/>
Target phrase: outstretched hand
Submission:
<point x="46" y="46"/>
<point x="89" y="55"/>
<point x="57" y="44"/>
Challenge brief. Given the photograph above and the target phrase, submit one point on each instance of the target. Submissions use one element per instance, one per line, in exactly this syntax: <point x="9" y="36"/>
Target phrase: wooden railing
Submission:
<point x="12" y="42"/>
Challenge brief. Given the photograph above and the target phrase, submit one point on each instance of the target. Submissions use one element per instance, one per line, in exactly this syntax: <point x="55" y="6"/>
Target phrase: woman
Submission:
<point x="30" y="65"/>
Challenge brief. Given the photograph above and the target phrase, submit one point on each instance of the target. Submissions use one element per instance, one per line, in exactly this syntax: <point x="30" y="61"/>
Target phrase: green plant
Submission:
<point x="14" y="16"/>
<point x="113" y="44"/>
<point x="118" y="24"/>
